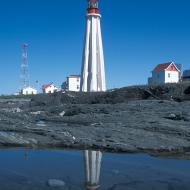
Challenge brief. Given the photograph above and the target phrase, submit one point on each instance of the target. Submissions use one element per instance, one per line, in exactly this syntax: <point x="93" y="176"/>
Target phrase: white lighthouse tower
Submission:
<point x="93" y="71"/>
<point x="93" y="165"/>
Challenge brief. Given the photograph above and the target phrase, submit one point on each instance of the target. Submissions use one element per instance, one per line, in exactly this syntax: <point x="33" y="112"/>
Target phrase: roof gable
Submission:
<point x="44" y="86"/>
<point x="170" y="66"/>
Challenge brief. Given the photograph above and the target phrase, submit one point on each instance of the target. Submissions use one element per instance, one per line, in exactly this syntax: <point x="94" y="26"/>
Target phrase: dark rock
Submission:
<point x="73" y="111"/>
<point x="130" y="119"/>
<point x="187" y="90"/>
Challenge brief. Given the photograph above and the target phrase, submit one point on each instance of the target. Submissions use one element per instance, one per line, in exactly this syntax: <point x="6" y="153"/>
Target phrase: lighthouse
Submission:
<point x="93" y="69"/>
<point x="93" y="166"/>
<point x="93" y="80"/>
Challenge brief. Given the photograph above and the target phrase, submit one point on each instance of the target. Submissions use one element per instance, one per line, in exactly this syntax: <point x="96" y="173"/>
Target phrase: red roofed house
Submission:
<point x="165" y="73"/>
<point x="49" y="88"/>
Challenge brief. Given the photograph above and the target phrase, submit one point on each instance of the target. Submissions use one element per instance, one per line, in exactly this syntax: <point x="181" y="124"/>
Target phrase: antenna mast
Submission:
<point x="24" y="76"/>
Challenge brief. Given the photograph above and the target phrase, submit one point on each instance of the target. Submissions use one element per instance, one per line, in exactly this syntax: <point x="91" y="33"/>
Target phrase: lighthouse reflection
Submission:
<point x="88" y="169"/>
<point x="93" y="161"/>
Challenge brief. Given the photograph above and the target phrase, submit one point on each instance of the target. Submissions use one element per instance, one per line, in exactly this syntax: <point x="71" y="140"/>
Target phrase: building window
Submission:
<point x="169" y="75"/>
<point x="77" y="79"/>
<point x="77" y="87"/>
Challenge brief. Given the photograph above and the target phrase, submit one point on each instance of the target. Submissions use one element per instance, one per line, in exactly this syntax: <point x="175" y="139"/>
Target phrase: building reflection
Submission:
<point x="93" y="160"/>
<point x="92" y="169"/>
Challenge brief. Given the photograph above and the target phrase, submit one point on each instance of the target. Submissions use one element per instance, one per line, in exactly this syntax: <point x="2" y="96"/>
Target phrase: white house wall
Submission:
<point x="29" y="91"/>
<point x="165" y="77"/>
<point x="50" y="89"/>
<point x="158" y="77"/>
<point x="74" y="84"/>
<point x="171" y="76"/>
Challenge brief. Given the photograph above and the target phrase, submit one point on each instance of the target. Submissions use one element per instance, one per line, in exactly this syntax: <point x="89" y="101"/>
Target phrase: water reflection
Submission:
<point x="92" y="169"/>
<point x="26" y="154"/>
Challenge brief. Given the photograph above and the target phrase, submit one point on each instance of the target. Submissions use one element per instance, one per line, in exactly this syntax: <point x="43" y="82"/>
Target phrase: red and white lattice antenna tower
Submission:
<point x="24" y="76"/>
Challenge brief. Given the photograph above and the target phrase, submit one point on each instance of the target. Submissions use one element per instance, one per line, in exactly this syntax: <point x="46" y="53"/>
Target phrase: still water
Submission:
<point x="31" y="169"/>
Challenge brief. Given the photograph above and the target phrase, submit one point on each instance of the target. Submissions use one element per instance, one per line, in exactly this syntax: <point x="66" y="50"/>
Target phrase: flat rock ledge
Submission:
<point x="158" y="126"/>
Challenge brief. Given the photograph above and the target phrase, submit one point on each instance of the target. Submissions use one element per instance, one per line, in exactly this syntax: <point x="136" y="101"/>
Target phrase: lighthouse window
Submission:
<point x="93" y="4"/>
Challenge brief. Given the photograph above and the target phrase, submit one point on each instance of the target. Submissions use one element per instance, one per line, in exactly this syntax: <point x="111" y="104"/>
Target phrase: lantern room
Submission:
<point x="93" y="6"/>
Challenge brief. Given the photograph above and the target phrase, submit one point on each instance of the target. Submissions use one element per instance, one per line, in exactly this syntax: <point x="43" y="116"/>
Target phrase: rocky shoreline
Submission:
<point x="151" y="119"/>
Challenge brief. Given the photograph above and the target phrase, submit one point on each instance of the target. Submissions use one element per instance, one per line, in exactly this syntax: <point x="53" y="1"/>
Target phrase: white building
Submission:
<point x="165" y="73"/>
<point x="28" y="90"/>
<point x="72" y="83"/>
<point x="49" y="88"/>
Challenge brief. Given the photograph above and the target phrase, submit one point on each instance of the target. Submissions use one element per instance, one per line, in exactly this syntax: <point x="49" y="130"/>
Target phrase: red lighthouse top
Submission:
<point x="93" y="6"/>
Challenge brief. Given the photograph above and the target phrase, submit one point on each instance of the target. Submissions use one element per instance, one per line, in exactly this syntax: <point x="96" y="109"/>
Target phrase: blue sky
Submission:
<point x="137" y="35"/>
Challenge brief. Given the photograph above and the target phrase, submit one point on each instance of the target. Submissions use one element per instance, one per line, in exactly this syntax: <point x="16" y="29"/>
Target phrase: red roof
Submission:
<point x="44" y="86"/>
<point x="164" y="66"/>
